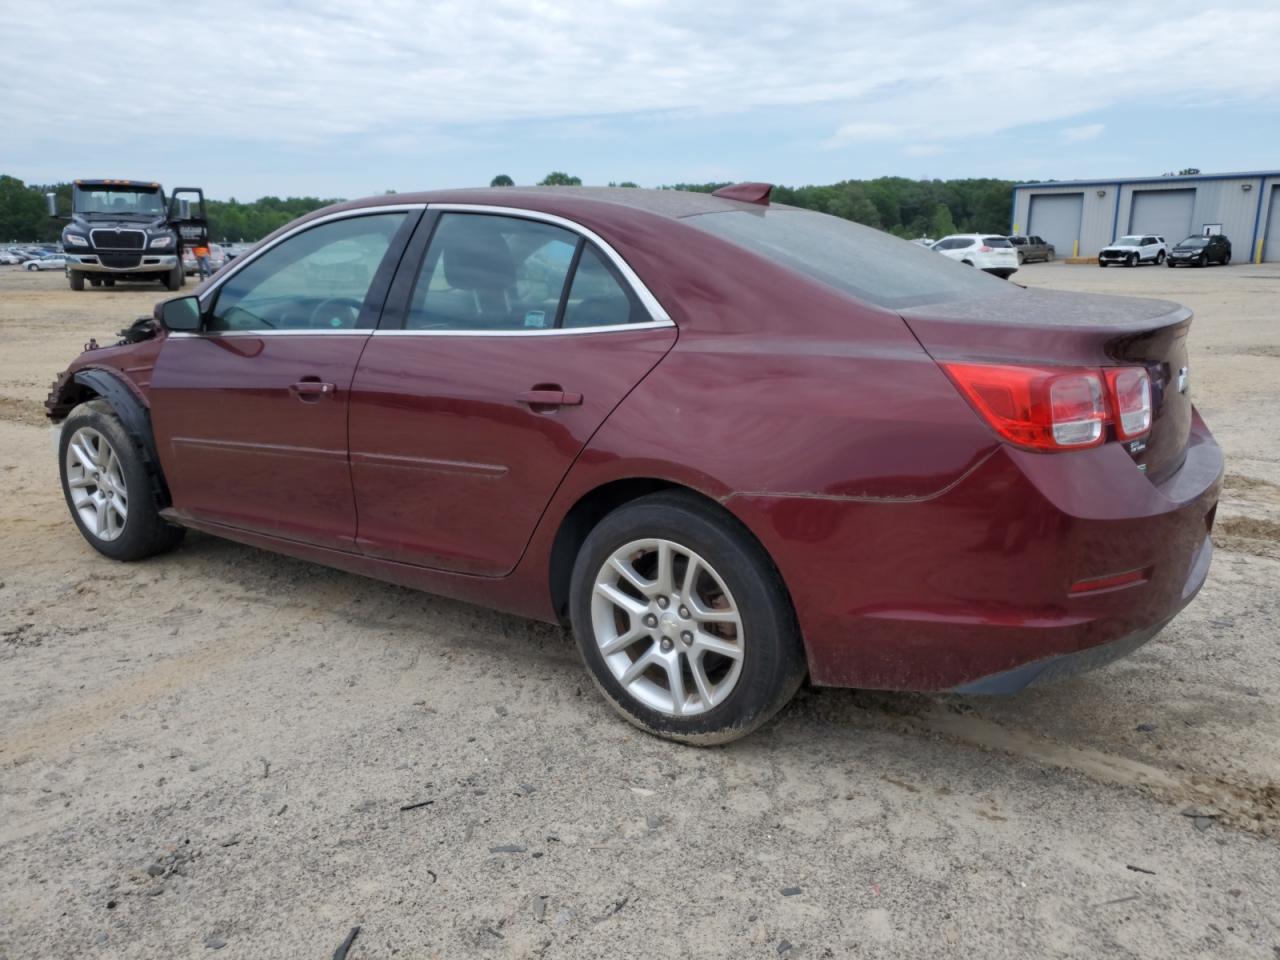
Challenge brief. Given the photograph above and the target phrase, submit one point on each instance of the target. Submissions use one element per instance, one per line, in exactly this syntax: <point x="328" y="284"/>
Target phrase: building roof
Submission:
<point x="1108" y="181"/>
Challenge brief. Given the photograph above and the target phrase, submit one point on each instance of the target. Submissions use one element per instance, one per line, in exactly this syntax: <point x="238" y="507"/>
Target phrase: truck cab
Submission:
<point x="128" y="230"/>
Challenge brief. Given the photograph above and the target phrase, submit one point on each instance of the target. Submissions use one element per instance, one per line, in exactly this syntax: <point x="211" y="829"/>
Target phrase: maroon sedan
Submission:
<point x="730" y="442"/>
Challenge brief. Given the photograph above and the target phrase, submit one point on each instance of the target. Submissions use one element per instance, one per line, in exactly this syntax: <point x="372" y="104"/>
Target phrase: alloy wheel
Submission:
<point x="95" y="479"/>
<point x="667" y="627"/>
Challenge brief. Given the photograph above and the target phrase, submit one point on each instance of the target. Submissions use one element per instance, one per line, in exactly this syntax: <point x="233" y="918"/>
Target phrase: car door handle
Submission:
<point x="549" y="397"/>
<point x="309" y="391"/>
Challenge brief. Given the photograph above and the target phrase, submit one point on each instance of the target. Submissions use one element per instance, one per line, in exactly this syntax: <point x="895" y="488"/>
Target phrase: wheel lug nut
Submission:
<point x="686" y="638"/>
<point x="666" y="645"/>
<point x="650" y="620"/>
<point x="663" y="602"/>
<point x="684" y="612"/>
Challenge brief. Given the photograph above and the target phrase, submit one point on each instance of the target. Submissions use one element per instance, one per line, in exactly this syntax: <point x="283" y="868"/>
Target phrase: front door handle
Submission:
<point x="549" y="398"/>
<point x="309" y="391"/>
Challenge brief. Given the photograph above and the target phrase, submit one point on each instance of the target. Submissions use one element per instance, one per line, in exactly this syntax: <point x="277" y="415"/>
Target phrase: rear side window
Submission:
<point x="484" y="272"/>
<point x="865" y="263"/>
<point x="1020" y="241"/>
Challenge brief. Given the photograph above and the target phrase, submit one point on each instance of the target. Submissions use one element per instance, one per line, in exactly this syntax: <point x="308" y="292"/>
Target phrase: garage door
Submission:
<point x="1271" y="245"/>
<point x="1166" y="213"/>
<point x="1056" y="217"/>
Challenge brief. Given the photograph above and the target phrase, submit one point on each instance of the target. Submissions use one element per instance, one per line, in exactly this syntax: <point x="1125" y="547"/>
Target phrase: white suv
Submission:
<point x="1134" y="249"/>
<point x="986" y="251"/>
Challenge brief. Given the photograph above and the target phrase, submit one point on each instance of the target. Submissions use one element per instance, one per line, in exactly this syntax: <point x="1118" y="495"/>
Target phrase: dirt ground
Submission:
<point x="212" y="753"/>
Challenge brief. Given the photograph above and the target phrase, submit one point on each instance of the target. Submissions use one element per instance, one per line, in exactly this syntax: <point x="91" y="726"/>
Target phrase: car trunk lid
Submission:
<point x="1049" y="327"/>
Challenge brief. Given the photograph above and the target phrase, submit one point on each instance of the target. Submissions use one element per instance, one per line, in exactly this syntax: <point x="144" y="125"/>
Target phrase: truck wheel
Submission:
<point x="174" y="279"/>
<point x="76" y="279"/>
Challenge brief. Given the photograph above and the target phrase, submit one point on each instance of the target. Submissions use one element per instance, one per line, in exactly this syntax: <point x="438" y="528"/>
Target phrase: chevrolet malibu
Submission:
<point x="731" y="443"/>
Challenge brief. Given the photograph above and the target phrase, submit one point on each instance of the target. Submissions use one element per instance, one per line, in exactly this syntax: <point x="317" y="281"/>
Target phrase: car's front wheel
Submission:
<point x="683" y="621"/>
<point x="1131" y="260"/>
<point x="32" y="267"/>
<point x="109" y="488"/>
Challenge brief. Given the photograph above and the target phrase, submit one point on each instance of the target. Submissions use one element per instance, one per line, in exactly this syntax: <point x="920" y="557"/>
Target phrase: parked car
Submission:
<point x="9" y="259"/>
<point x="730" y="443"/>
<point x="1201" y="251"/>
<point x="1133" y="250"/>
<point x="1032" y="248"/>
<point x="994" y="254"/>
<point x="52" y="261"/>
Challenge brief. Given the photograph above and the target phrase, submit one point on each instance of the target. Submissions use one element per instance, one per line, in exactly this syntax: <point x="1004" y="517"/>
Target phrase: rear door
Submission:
<point x="250" y="414"/>
<point x="508" y="339"/>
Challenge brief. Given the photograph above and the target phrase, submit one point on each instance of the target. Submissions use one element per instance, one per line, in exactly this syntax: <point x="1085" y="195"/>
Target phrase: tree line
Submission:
<point x="899" y="205"/>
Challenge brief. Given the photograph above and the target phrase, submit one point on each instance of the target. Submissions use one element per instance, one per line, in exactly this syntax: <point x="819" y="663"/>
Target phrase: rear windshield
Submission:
<point x="996" y="242"/>
<point x="868" y="264"/>
<point x="1018" y="241"/>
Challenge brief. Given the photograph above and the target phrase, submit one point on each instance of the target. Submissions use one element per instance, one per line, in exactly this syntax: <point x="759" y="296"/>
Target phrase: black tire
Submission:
<point x="1170" y="264"/>
<point x="32" y="268"/>
<point x="76" y="279"/>
<point x="1159" y="257"/>
<point x="145" y="533"/>
<point x="1102" y="263"/>
<point x="1226" y="261"/>
<point x="1131" y="260"/>
<point x="174" y="279"/>
<point x="1048" y="257"/>
<point x="1203" y="261"/>
<point x="967" y="263"/>
<point x="773" y="662"/>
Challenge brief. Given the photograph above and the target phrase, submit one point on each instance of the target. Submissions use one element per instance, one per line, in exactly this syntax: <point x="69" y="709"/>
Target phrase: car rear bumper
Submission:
<point x="979" y="586"/>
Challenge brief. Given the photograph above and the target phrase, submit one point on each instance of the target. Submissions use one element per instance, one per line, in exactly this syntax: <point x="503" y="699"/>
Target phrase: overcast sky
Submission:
<point x="342" y="99"/>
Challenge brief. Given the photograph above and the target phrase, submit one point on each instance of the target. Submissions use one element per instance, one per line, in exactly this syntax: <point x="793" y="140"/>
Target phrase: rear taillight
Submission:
<point x="1056" y="408"/>
<point x="985" y="249"/>
<point x="1130" y="389"/>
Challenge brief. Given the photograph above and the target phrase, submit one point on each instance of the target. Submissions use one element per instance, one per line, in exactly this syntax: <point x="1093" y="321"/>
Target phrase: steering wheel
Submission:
<point x="336" y="313"/>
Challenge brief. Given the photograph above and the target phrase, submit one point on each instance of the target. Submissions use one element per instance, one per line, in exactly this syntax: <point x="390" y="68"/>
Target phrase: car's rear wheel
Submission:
<point x="683" y="622"/>
<point x="1159" y="257"/>
<point x="109" y="487"/>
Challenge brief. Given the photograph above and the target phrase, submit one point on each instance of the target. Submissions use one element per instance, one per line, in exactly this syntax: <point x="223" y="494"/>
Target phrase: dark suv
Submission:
<point x="1201" y="251"/>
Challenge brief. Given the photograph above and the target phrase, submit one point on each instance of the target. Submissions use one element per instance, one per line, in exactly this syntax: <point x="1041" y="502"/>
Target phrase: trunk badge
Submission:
<point x="1182" y="380"/>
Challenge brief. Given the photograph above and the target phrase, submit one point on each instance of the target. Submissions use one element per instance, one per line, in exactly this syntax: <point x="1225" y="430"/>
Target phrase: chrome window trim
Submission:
<point x="217" y="334"/>
<point x="243" y="261"/>
<point x="647" y="299"/>
<point x="532" y="332"/>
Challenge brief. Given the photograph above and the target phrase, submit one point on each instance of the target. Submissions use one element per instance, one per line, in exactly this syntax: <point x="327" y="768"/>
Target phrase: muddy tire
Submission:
<point x="683" y="622"/>
<point x="110" y="487"/>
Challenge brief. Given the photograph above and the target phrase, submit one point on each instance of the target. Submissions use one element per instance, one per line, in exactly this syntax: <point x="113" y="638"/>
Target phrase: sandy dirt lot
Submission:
<point x="211" y="753"/>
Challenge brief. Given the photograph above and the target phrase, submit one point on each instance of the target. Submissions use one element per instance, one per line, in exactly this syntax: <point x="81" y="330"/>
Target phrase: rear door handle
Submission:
<point x="309" y="391"/>
<point x="549" y="398"/>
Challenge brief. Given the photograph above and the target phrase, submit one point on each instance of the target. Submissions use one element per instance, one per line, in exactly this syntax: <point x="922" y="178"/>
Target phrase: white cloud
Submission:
<point x="263" y="72"/>
<point x="924" y="150"/>
<point x="1090" y="131"/>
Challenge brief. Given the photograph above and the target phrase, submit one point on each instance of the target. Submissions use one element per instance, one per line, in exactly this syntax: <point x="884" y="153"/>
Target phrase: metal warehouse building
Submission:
<point x="1080" y="217"/>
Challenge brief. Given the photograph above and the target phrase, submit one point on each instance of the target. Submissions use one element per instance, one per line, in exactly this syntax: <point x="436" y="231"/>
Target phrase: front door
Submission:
<point x="250" y="414"/>
<point x="514" y="342"/>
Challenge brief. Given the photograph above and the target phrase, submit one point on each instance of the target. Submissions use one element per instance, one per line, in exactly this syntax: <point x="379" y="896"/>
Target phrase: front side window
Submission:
<point x="315" y="280"/>
<point x="485" y="272"/>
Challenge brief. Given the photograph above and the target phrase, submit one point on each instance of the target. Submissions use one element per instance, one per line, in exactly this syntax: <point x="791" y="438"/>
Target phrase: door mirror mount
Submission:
<point x="181" y="315"/>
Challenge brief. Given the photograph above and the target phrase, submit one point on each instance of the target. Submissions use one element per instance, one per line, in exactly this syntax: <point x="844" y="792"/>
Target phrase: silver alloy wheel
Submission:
<point x="667" y="627"/>
<point x="95" y="477"/>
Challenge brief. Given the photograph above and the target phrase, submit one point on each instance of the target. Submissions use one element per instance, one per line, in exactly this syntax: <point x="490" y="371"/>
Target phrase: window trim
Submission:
<point x="658" y="316"/>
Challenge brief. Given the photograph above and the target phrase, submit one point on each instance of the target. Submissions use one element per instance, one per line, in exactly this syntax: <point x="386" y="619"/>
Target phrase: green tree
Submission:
<point x="558" y="179"/>
<point x="941" y="225"/>
<point x="502" y="180"/>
